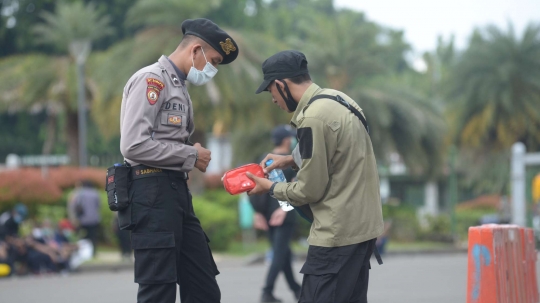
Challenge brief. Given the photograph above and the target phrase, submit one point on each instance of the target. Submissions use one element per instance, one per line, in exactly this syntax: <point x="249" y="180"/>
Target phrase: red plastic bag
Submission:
<point x="236" y="181"/>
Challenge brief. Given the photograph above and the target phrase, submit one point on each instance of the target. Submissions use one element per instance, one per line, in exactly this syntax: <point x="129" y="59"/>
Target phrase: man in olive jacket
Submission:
<point x="338" y="183"/>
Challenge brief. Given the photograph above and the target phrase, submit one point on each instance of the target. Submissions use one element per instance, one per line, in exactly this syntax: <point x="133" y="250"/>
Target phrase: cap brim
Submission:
<point x="263" y="86"/>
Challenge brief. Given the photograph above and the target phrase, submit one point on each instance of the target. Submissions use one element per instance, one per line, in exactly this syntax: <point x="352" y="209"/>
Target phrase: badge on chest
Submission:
<point x="172" y="119"/>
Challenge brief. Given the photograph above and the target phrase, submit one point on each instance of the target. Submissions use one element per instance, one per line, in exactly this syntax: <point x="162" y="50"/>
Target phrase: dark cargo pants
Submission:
<point x="169" y="244"/>
<point x="337" y="274"/>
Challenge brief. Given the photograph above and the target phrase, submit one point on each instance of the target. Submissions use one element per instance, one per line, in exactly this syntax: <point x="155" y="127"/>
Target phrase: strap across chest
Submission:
<point x="342" y="101"/>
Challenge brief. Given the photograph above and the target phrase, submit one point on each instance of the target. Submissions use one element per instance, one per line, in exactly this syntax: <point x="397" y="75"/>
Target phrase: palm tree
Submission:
<point x="400" y="119"/>
<point x="27" y="88"/>
<point x="495" y="89"/>
<point x="346" y="53"/>
<point x="218" y="104"/>
<point x="72" y="23"/>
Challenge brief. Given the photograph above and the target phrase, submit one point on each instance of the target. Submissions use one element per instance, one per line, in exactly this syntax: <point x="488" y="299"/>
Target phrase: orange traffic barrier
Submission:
<point x="502" y="265"/>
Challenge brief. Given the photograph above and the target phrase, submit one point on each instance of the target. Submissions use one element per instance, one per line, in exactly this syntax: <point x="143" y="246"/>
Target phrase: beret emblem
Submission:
<point x="227" y="46"/>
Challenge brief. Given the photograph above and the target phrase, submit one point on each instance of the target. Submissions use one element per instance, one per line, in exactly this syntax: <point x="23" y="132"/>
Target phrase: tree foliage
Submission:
<point x="495" y="89"/>
<point x="483" y="98"/>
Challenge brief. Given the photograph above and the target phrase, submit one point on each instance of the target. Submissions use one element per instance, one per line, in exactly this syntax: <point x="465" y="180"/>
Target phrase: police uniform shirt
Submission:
<point x="156" y="119"/>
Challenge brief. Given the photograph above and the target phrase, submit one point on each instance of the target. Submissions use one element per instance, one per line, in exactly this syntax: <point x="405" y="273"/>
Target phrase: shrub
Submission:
<point x="405" y="226"/>
<point x="67" y="177"/>
<point x="27" y="186"/>
<point x="438" y="229"/>
<point x="219" y="217"/>
<point x="466" y="218"/>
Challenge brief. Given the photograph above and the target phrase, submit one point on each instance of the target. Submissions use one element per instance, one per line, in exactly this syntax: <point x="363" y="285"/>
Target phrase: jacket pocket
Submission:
<point x="125" y="217"/>
<point x="320" y="267"/>
<point x="214" y="266"/>
<point x="155" y="257"/>
<point x="320" y="281"/>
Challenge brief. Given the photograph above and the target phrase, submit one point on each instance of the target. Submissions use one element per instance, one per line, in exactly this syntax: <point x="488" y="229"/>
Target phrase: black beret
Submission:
<point x="207" y="30"/>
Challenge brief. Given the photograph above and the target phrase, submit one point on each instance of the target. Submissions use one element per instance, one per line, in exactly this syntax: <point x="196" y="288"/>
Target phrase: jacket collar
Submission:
<point x="172" y="71"/>
<point x="312" y="90"/>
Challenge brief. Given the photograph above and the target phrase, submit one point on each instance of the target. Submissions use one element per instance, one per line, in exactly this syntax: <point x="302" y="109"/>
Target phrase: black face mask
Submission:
<point x="289" y="101"/>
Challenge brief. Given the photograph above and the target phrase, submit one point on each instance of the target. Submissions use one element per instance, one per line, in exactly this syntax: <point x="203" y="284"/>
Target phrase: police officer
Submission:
<point x="338" y="184"/>
<point x="156" y="122"/>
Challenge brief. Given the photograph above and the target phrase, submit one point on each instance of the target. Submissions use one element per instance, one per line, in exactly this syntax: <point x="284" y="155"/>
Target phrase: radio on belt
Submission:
<point x="117" y="186"/>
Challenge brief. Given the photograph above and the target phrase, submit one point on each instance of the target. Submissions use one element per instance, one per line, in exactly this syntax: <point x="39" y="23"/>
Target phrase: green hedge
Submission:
<point x="406" y="226"/>
<point x="218" y="213"/>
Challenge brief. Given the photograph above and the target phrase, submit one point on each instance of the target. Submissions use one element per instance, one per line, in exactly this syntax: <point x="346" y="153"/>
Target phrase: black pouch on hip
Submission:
<point x="117" y="186"/>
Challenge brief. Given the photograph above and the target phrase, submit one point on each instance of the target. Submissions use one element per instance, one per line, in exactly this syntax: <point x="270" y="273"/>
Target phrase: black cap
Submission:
<point x="283" y="65"/>
<point x="213" y="35"/>
<point x="279" y="133"/>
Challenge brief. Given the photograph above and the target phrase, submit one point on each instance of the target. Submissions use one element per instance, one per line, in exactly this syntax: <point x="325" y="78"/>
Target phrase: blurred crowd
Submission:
<point x="47" y="247"/>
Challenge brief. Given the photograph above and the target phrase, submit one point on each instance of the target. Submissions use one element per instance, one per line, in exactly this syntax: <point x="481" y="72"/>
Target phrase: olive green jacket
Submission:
<point x="338" y="177"/>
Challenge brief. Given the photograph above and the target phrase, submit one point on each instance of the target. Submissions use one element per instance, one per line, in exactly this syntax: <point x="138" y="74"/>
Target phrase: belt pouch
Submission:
<point x="117" y="187"/>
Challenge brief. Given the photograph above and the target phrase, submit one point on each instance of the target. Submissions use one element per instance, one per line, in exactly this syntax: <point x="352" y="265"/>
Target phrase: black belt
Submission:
<point x="143" y="171"/>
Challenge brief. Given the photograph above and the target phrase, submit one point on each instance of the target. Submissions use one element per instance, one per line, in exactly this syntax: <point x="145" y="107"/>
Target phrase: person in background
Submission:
<point x="12" y="220"/>
<point x="382" y="240"/>
<point x="5" y="266"/>
<point x="279" y="224"/>
<point x="14" y="247"/>
<point x="86" y="205"/>
<point x="124" y="238"/>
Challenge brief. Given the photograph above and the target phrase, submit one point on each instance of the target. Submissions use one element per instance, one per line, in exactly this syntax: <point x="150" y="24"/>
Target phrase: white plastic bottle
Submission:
<point x="277" y="175"/>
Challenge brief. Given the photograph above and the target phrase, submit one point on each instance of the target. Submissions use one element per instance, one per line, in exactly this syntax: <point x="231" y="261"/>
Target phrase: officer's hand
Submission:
<point x="280" y="162"/>
<point x="259" y="222"/>
<point x="262" y="185"/>
<point x="204" y="157"/>
<point x="277" y="218"/>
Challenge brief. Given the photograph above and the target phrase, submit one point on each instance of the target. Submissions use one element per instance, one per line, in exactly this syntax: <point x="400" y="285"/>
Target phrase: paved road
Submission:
<point x="403" y="279"/>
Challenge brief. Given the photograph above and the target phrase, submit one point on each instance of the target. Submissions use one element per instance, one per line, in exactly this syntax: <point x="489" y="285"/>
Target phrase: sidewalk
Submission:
<point x="112" y="261"/>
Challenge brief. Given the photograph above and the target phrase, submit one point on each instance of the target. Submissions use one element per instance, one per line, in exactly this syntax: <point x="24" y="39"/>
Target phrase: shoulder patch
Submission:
<point x="153" y="89"/>
<point x="155" y="83"/>
<point x="305" y="142"/>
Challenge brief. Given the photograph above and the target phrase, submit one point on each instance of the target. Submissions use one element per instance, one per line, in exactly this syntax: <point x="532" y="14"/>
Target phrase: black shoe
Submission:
<point x="269" y="298"/>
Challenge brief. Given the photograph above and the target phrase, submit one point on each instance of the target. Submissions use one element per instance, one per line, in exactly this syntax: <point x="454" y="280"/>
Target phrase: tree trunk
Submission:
<point x="50" y="133"/>
<point x="72" y="132"/>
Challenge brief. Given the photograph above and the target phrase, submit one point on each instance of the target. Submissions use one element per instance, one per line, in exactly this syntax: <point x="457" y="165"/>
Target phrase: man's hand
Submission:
<point x="204" y="157"/>
<point x="259" y="222"/>
<point x="280" y="162"/>
<point x="277" y="218"/>
<point x="262" y="185"/>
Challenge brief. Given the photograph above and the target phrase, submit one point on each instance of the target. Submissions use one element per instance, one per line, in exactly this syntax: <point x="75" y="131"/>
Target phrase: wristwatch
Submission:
<point x="271" y="191"/>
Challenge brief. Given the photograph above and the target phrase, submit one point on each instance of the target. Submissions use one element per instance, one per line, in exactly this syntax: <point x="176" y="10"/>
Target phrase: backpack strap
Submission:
<point x="342" y="101"/>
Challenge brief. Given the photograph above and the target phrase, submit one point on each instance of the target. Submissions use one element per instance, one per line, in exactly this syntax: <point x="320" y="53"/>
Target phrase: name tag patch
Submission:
<point x="139" y="172"/>
<point x="175" y="120"/>
<point x="172" y="119"/>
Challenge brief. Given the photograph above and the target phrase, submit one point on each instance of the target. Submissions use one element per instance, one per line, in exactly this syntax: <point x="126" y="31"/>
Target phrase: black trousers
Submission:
<point x="169" y="244"/>
<point x="280" y="238"/>
<point x="91" y="232"/>
<point x="337" y="274"/>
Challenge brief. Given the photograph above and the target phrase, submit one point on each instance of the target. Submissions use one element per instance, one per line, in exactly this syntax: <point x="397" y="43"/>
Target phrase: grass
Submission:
<point x="261" y="246"/>
<point x="393" y="246"/>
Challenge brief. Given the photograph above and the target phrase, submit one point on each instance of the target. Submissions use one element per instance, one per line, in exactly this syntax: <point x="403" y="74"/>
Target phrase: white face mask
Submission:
<point x="197" y="77"/>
